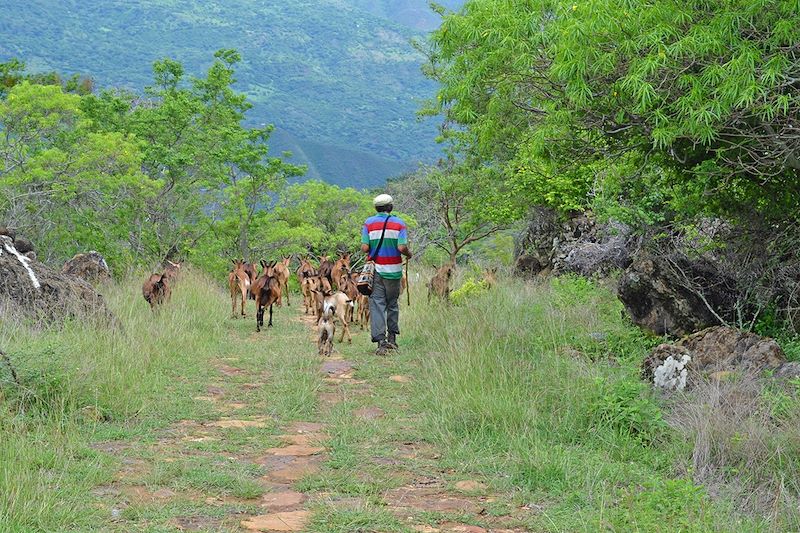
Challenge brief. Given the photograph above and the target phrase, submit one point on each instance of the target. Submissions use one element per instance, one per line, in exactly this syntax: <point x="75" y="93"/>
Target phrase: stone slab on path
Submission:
<point x="338" y="368"/>
<point x="423" y="499"/>
<point x="282" y="501"/>
<point x="285" y="521"/>
<point x="296" y="450"/>
<point x="239" y="424"/>
<point x="369" y="413"/>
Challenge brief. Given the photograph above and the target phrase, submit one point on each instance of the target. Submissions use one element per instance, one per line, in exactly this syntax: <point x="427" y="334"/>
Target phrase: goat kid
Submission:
<point x="326" y="329"/>
<point x="336" y="305"/>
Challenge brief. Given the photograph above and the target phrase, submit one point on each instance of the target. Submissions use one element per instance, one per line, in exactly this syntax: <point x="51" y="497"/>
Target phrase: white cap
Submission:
<point x="382" y="200"/>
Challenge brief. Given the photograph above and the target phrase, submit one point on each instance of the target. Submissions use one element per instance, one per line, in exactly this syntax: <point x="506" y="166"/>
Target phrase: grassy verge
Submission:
<point x="84" y="380"/>
<point x="532" y="389"/>
<point x="537" y="389"/>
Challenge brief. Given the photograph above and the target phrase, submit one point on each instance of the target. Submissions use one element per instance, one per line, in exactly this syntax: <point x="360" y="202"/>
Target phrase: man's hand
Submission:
<point x="365" y="248"/>
<point x="403" y="249"/>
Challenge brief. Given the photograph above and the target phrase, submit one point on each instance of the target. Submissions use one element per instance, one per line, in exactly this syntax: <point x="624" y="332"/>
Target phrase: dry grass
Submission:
<point x="744" y="438"/>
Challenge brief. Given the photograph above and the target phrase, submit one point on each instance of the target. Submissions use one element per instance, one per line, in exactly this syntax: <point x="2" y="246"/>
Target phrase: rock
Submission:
<point x="282" y="500"/>
<point x="658" y="297"/>
<point x="369" y="413"/>
<point x="23" y="245"/>
<point x="580" y="245"/>
<point x="296" y="450"/>
<point x="400" y="379"/>
<point x="470" y="486"/>
<point x="8" y="232"/>
<point x="788" y="370"/>
<point x="286" y="521"/>
<point x="30" y="289"/>
<point x="716" y="350"/>
<point x="238" y="424"/>
<point x="91" y="267"/>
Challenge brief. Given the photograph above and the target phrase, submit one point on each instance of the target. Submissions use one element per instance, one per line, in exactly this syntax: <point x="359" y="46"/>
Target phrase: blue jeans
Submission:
<point x="384" y="308"/>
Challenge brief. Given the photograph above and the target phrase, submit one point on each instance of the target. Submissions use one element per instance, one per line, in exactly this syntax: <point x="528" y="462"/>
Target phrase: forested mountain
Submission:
<point x="338" y="78"/>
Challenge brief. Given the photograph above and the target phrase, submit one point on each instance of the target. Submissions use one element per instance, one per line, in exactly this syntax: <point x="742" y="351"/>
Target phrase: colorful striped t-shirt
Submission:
<point x="389" y="263"/>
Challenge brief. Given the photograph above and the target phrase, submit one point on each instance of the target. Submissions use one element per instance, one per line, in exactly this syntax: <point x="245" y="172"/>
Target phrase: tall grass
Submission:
<point x="537" y="387"/>
<point x="84" y="376"/>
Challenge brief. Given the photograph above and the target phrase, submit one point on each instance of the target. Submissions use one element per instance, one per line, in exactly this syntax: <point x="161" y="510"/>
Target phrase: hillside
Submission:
<point x="341" y="80"/>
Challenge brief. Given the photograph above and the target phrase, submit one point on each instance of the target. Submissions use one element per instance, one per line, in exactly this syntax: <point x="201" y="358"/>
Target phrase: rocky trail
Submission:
<point x="279" y="439"/>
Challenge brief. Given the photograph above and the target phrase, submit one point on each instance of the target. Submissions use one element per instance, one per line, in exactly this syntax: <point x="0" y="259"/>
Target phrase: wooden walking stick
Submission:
<point x="408" y="285"/>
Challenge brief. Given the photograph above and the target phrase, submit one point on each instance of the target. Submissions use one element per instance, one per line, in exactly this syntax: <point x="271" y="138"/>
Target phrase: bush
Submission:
<point x="627" y="408"/>
<point x="468" y="290"/>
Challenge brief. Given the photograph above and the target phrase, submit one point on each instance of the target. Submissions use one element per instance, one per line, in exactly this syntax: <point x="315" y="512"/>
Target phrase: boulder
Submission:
<point x="579" y="244"/>
<point x="717" y="350"/>
<point x="23" y="245"/>
<point x="598" y="251"/>
<point x="30" y="289"/>
<point x="675" y="295"/>
<point x="91" y="267"/>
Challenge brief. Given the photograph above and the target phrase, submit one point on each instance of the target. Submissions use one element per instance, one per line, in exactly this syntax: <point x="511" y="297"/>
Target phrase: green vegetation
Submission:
<point x="330" y="73"/>
<point x="531" y="390"/>
<point x="665" y="109"/>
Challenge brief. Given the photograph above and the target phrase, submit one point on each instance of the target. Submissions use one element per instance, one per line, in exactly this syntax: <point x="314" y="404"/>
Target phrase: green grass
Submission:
<point x="533" y="390"/>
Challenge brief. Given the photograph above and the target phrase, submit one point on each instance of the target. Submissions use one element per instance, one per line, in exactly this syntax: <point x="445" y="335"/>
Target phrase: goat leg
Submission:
<point x="270" y="316"/>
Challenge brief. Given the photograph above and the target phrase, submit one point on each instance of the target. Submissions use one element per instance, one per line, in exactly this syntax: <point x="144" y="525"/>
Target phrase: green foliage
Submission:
<point x="626" y="407"/>
<point x="72" y="188"/>
<point x="468" y="291"/>
<point x="662" y="505"/>
<point x="669" y="109"/>
<point x="454" y="206"/>
<point x="341" y="82"/>
<point x="138" y="180"/>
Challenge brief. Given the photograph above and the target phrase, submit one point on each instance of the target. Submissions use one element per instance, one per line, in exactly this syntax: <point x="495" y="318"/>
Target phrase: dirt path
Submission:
<point x="283" y="440"/>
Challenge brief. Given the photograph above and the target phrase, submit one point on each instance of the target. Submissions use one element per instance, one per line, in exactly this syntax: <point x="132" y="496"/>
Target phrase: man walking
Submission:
<point x="383" y="303"/>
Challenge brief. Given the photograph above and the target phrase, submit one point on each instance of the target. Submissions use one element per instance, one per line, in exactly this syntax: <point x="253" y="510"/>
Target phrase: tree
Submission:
<point x="70" y="188"/>
<point x="453" y="206"/>
<point x="697" y="98"/>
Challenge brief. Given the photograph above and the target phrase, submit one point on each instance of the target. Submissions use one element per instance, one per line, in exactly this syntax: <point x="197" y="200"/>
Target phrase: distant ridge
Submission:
<point x="340" y="74"/>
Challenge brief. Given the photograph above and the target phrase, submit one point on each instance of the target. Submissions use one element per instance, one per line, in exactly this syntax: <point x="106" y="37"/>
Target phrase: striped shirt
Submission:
<point x="389" y="263"/>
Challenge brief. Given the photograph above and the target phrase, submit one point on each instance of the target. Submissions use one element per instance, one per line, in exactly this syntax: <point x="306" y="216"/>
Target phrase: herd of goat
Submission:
<point x="329" y="291"/>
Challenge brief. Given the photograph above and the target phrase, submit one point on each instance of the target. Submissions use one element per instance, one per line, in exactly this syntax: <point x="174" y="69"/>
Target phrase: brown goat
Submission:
<point x="282" y="275"/>
<point x="490" y="277"/>
<point x="326" y="268"/>
<point x="307" y="286"/>
<point x="439" y="284"/>
<point x="267" y="291"/>
<point x="239" y="283"/>
<point x="157" y="289"/>
<point x="363" y="310"/>
<point x="251" y="269"/>
<point x="348" y="286"/>
<point x="340" y="267"/>
<point x="306" y="269"/>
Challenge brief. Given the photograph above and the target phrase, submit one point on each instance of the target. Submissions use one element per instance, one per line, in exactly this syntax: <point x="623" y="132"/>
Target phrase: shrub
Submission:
<point x="626" y="407"/>
<point x="468" y="290"/>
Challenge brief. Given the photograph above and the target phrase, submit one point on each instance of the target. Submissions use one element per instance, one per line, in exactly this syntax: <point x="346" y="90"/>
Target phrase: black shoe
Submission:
<point x="392" y="342"/>
<point x="383" y="349"/>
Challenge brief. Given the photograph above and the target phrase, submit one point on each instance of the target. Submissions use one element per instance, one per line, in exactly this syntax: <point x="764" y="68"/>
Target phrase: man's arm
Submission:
<point x="403" y="249"/>
<point x="365" y="248"/>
